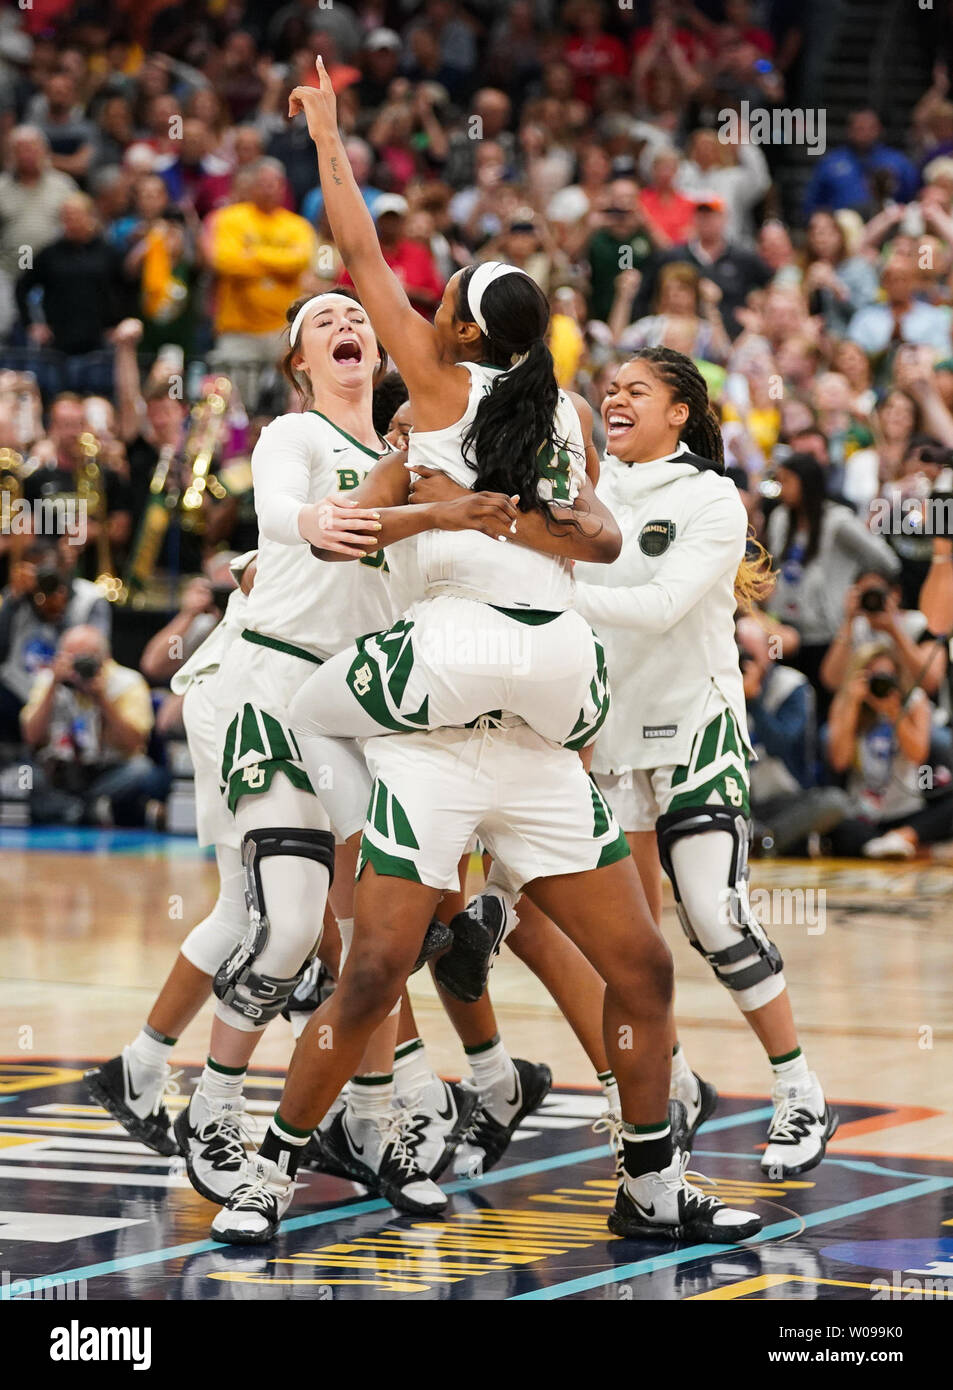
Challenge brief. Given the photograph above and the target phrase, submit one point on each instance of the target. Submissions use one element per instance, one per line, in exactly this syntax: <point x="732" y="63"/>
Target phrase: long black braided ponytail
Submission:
<point x="701" y="434"/>
<point x="512" y="433"/>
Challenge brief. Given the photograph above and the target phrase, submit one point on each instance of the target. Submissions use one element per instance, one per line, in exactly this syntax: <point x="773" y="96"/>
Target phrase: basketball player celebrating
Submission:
<point x="672" y="758"/>
<point x="132" y="1085"/>
<point x="528" y="798"/>
<point x="298" y="615"/>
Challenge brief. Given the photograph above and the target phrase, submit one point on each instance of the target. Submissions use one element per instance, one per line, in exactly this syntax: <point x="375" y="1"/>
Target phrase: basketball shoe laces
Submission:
<point x="696" y="1201"/>
<point x="400" y="1135"/>
<point x="255" y="1195"/>
<point x="791" y="1122"/>
<point x="229" y="1128"/>
<point x="611" y="1124"/>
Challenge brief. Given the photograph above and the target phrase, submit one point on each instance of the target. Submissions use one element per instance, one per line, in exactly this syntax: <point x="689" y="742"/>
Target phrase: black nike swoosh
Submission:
<point x="515" y="1097"/>
<point x="358" y="1148"/>
<point x="446" y="1114"/>
<point x="133" y="1095"/>
<point x="643" y="1211"/>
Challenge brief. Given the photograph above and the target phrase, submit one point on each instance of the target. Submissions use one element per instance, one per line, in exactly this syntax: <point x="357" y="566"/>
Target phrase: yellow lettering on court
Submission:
<point x="14" y="1078"/>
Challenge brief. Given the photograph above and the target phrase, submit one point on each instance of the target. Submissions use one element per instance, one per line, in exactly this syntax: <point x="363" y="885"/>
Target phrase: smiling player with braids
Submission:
<point x="672" y="758"/>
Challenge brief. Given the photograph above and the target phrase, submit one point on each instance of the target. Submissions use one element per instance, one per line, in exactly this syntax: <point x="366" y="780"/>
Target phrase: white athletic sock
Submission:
<point x="219" y="1083"/>
<point x="495" y="1076"/>
<point x="413" y="1074"/>
<point x="684" y="1086"/>
<point x="792" y="1069"/>
<point x="371" y="1097"/>
<point x="610" y="1089"/>
<point x="147" y="1054"/>
<point x="346" y="931"/>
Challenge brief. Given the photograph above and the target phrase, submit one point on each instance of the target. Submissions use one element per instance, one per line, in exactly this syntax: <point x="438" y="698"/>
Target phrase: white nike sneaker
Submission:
<point x="699" y="1105"/>
<point x="665" y="1205"/>
<point x="253" y="1212"/>
<point x="799" y="1130"/>
<point x="379" y="1154"/>
<point x="213" y="1140"/>
<point x="140" y="1112"/>
<point x="435" y="1119"/>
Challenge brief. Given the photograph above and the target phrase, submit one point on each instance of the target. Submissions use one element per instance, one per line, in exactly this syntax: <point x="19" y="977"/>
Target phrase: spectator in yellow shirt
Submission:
<point x="260" y="252"/>
<point x="88" y="721"/>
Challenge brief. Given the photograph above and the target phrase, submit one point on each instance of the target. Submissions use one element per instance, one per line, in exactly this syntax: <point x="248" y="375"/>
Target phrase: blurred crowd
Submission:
<point x="159" y="212"/>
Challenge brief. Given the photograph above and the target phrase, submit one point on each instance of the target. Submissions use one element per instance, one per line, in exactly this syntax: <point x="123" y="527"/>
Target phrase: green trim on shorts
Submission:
<point x="239" y="783"/>
<point x="287" y="647"/>
<point x="532" y="617"/>
<point x="614" y="851"/>
<point x="384" y="864"/>
<point x="587" y="727"/>
<point x="716" y="770"/>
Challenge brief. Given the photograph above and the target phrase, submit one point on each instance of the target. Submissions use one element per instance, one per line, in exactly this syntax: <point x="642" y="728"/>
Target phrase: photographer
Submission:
<point x="872" y="610"/>
<point x="88" y="720"/>
<point x="41" y="601"/>
<point x="879" y="737"/>
<point x="786" y="806"/>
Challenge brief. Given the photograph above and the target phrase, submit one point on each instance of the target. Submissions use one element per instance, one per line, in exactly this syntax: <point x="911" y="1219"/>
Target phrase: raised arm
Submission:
<point x="408" y="337"/>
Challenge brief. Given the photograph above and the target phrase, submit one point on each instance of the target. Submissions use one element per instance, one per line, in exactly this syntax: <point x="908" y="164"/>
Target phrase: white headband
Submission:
<point x="480" y="280"/>
<point x="315" y="299"/>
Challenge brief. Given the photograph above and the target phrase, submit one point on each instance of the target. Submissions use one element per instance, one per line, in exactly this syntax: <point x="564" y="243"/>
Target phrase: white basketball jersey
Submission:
<point x="477" y="566"/>
<point x="318" y="605"/>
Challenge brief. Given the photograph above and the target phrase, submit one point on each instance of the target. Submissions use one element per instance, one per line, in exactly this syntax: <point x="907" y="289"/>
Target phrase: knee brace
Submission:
<point x="255" y="995"/>
<point x="713" y="905"/>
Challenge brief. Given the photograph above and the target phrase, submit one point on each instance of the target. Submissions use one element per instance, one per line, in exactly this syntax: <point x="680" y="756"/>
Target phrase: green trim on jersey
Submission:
<point x="278" y="646"/>
<point x="716" y="771"/>
<point x="364" y="448"/>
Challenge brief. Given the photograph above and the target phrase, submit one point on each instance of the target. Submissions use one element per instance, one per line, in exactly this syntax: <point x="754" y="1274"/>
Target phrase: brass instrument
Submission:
<point x="11" y="492"/>
<point x="11" y="475"/>
<point x="206" y="422"/>
<point x="208" y="419"/>
<point x="91" y="490"/>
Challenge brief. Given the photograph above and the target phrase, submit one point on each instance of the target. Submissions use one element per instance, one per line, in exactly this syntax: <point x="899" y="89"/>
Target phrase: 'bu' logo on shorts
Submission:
<point x="362" y="679"/>
<point x="659" y="730"/>
<point x="656" y="537"/>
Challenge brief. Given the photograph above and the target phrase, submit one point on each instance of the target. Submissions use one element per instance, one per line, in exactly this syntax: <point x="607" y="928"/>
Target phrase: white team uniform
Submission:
<point x="488" y="704"/>
<point x="676" y="733"/>
<point x="193" y="680"/>
<point x="299" y="613"/>
<point x="492" y="627"/>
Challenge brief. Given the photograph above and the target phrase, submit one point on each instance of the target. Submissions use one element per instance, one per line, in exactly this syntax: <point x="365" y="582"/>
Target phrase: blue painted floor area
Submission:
<point x="87" y="840"/>
<point x="81" y="1203"/>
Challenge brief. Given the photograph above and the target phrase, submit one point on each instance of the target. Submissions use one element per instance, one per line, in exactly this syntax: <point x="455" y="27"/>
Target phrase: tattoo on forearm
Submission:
<point x="334" y="170"/>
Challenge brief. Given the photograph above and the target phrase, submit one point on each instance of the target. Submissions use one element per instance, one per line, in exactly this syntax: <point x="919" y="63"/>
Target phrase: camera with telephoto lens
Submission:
<point x="86" y="667"/>
<point x="874" y="600"/>
<point x="880" y="684"/>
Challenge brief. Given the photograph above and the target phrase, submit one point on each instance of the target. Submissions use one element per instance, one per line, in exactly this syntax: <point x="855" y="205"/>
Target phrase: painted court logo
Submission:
<point x="75" y="1343"/>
